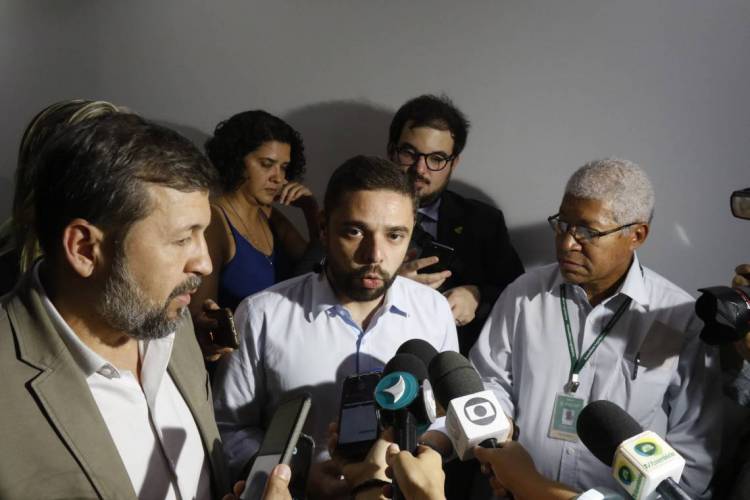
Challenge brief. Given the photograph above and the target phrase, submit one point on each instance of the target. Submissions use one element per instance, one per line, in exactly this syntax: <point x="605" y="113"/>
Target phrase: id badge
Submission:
<point x="565" y="416"/>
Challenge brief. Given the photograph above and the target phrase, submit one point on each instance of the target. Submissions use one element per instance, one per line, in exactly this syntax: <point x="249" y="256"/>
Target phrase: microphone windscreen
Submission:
<point x="419" y="348"/>
<point x="452" y="376"/>
<point x="408" y="363"/>
<point x="602" y="426"/>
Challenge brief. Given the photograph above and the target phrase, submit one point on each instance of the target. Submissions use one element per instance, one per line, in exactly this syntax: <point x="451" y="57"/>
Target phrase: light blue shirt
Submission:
<point x="296" y="336"/>
<point x="522" y="355"/>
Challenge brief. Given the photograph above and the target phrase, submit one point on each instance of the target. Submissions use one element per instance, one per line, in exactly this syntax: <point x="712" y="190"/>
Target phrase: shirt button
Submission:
<point x="106" y="371"/>
<point x="569" y="451"/>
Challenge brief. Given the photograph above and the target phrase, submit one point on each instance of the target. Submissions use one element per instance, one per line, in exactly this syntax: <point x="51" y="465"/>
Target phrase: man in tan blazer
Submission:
<point x="104" y="393"/>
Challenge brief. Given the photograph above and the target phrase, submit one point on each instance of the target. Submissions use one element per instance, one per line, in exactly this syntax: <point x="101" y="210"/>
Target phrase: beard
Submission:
<point x="125" y="306"/>
<point x="349" y="283"/>
<point x="428" y="199"/>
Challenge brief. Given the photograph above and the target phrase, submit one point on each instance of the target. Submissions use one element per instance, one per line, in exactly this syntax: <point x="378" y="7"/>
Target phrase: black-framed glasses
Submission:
<point x="581" y="233"/>
<point x="408" y="157"/>
<point x="740" y="203"/>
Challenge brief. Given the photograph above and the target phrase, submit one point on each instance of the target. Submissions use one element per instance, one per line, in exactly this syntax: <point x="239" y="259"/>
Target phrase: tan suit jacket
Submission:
<point x="53" y="440"/>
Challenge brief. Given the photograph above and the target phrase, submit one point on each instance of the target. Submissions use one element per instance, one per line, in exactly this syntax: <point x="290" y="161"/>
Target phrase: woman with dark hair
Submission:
<point x="259" y="158"/>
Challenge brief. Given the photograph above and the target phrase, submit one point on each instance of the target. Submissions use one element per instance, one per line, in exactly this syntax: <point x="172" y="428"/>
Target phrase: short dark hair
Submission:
<point x="98" y="170"/>
<point x="432" y="111"/>
<point x="242" y="134"/>
<point x="367" y="173"/>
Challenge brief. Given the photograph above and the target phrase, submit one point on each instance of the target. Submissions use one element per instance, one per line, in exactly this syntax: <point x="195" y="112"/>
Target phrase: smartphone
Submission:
<point x="278" y="444"/>
<point x="226" y="333"/>
<point x="445" y="253"/>
<point x="358" y="416"/>
<point x="300" y="465"/>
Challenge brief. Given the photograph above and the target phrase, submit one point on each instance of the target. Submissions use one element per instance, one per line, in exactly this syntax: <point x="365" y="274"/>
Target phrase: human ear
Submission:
<point x="638" y="235"/>
<point x="82" y="246"/>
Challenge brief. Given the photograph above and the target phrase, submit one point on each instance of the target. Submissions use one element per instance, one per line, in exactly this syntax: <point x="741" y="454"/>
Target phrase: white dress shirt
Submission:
<point x="522" y="354"/>
<point x="150" y="424"/>
<point x="296" y="336"/>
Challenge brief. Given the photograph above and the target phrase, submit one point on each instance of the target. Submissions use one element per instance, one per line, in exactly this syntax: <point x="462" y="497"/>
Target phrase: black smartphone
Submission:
<point x="445" y="253"/>
<point x="358" y="416"/>
<point x="226" y="333"/>
<point x="300" y="465"/>
<point x="278" y="444"/>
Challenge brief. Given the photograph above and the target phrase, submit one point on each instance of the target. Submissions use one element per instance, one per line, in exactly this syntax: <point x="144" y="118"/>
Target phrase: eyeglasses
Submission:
<point x="580" y="233"/>
<point x="408" y="157"/>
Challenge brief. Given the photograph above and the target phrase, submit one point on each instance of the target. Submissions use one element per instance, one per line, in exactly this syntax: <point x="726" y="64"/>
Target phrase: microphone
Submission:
<point x="474" y="416"/>
<point x="398" y="395"/>
<point x="425" y="352"/>
<point x="642" y="462"/>
<point x="599" y="494"/>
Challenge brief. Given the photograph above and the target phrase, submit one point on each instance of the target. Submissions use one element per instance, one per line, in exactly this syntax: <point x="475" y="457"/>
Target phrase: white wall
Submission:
<point x="548" y="85"/>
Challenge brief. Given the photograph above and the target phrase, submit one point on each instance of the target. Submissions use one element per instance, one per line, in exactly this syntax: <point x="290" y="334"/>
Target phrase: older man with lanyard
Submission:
<point x="630" y="335"/>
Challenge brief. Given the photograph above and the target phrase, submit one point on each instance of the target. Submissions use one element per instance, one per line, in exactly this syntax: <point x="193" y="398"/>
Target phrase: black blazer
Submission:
<point x="484" y="255"/>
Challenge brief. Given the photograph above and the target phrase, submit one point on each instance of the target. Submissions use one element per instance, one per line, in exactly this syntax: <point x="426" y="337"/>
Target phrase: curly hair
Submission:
<point x="242" y="134"/>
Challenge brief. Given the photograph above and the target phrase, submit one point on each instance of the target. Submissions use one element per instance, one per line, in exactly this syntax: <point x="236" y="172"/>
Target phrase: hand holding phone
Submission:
<point x="278" y="444"/>
<point x="358" y="419"/>
<point x="444" y="253"/>
<point x="225" y="333"/>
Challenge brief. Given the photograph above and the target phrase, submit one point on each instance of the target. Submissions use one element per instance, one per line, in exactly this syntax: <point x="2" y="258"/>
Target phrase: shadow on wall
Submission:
<point x="197" y="137"/>
<point x="334" y="131"/>
<point x="534" y="242"/>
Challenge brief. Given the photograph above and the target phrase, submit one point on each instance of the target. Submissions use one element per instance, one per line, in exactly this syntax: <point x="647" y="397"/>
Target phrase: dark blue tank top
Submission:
<point x="249" y="271"/>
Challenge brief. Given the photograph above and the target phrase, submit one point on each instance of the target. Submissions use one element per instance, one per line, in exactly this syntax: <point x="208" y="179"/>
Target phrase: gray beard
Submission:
<point x="125" y="307"/>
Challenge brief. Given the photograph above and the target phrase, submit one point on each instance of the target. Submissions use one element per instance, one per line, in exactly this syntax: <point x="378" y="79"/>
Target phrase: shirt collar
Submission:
<point x="431" y="211"/>
<point x="633" y="286"/>
<point x="154" y="353"/>
<point x="324" y="299"/>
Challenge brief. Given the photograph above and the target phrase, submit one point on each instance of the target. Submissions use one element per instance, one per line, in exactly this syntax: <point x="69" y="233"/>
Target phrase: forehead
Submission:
<point x="171" y="210"/>
<point x="585" y="211"/>
<point x="426" y="138"/>
<point x="375" y="208"/>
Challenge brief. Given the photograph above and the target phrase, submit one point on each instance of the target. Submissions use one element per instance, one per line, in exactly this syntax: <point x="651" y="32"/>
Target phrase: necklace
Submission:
<point x="265" y="221"/>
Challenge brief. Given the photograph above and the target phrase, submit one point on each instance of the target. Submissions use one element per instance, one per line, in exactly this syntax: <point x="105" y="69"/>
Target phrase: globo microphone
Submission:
<point x="642" y="462"/>
<point x="474" y="416"/>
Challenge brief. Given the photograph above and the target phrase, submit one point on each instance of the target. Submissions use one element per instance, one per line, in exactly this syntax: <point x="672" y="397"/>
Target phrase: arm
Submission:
<point x="294" y="244"/>
<point x="492" y="353"/>
<point x="694" y="401"/>
<point x="239" y="392"/>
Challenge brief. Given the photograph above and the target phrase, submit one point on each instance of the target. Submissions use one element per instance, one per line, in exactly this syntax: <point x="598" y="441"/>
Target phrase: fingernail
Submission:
<point x="283" y="471"/>
<point x="393" y="448"/>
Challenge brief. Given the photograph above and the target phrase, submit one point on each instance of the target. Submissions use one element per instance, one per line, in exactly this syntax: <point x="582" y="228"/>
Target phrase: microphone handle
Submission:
<point x="670" y="490"/>
<point x="489" y="443"/>
<point x="405" y="427"/>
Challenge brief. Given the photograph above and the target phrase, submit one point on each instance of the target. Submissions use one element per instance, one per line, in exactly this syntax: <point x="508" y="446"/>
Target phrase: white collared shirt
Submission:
<point x="296" y="336"/>
<point x="522" y="355"/>
<point x="150" y="425"/>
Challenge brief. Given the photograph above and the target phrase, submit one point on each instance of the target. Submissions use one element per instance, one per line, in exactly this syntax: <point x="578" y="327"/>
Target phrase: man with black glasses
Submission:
<point x="426" y="137"/>
<point x="598" y="325"/>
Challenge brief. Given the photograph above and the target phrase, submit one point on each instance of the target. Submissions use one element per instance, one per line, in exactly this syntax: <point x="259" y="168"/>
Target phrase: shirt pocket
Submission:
<point x="648" y="371"/>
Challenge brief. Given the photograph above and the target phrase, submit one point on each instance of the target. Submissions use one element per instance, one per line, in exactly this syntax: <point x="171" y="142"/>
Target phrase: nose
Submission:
<point x="200" y="261"/>
<point x="371" y="250"/>
<point x="277" y="174"/>
<point x="421" y="166"/>
<point x="567" y="242"/>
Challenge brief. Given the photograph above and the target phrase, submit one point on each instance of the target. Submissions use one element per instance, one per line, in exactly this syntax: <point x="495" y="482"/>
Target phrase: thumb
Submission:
<point x="277" y="486"/>
<point x="391" y="453"/>
<point x="482" y="454"/>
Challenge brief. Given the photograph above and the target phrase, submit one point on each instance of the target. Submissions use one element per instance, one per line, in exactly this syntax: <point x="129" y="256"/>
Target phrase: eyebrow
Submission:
<point x="416" y="149"/>
<point x="362" y="225"/>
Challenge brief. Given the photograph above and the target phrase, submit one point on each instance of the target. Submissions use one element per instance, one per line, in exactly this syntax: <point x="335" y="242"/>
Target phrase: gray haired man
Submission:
<point x="599" y="325"/>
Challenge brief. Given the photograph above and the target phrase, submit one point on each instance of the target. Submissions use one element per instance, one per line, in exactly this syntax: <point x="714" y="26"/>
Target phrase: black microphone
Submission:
<point x="474" y="416"/>
<point x="642" y="462"/>
<point x="398" y="394"/>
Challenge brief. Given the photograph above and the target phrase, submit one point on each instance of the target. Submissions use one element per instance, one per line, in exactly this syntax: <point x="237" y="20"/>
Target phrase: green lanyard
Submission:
<point x="576" y="363"/>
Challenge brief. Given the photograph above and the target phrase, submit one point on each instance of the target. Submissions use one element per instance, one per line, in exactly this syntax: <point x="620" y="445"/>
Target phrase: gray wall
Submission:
<point x="548" y="85"/>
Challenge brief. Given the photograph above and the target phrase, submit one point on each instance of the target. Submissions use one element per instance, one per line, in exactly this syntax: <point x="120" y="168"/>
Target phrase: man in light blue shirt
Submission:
<point x="311" y="332"/>
<point x="598" y="325"/>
